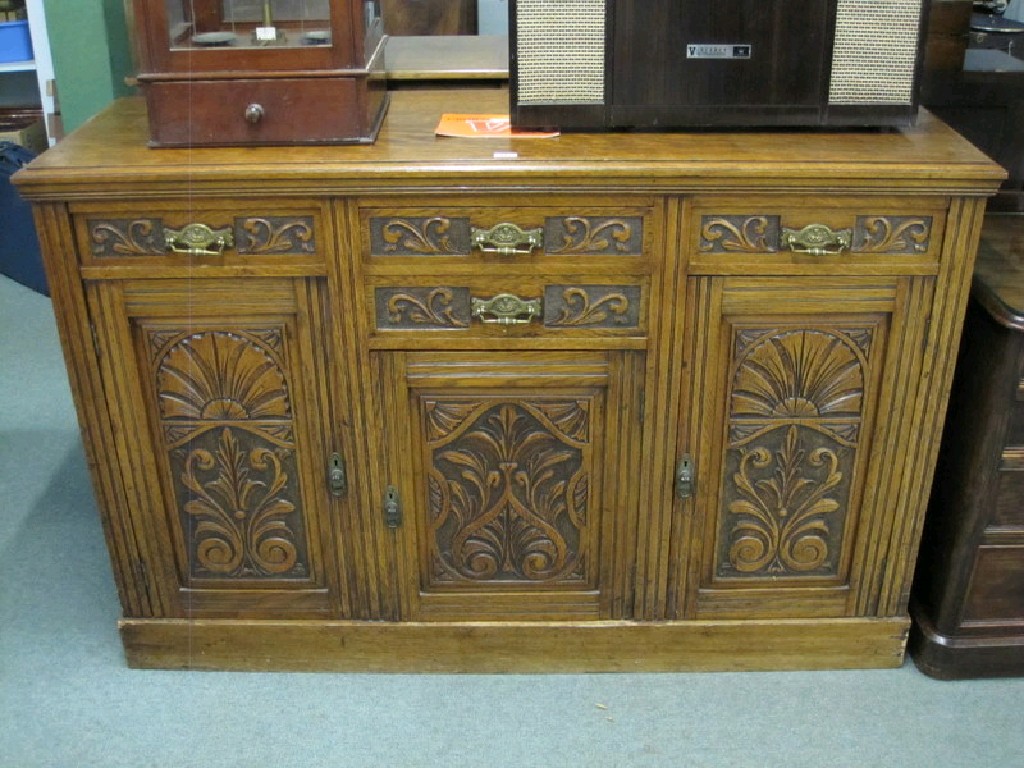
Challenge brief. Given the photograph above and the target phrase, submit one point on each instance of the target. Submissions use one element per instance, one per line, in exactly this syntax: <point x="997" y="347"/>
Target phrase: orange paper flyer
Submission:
<point x="483" y="127"/>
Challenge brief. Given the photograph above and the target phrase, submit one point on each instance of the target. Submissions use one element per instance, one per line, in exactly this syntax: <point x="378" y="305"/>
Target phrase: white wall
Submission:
<point x="492" y="16"/>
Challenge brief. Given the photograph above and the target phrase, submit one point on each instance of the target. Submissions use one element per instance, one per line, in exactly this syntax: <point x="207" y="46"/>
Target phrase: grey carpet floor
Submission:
<point x="67" y="699"/>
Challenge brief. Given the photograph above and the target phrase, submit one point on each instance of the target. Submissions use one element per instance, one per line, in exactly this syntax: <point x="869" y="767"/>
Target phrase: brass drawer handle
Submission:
<point x="507" y="309"/>
<point x="199" y="240"/>
<point x="506" y="239"/>
<point x="817" y="240"/>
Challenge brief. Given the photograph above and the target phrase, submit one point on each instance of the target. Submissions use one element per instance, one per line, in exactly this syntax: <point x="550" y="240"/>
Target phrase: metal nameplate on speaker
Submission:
<point x="694" y="51"/>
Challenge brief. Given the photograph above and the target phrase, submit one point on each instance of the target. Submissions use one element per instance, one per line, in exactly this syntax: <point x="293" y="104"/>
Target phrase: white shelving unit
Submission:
<point x="20" y="90"/>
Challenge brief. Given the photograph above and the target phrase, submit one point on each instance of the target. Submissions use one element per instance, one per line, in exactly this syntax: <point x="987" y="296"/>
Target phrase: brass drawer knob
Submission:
<point x="505" y="309"/>
<point x="507" y="239"/>
<point x="817" y="240"/>
<point x="199" y="240"/>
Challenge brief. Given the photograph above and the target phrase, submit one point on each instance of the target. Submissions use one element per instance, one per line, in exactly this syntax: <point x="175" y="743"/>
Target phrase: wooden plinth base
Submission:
<point x="521" y="647"/>
<point x="957" y="658"/>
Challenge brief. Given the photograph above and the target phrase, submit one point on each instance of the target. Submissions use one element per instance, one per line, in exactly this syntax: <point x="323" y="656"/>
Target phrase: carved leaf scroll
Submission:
<point x="127" y="237"/>
<point x="584" y="235"/>
<point x="430" y="236"/>
<point x="782" y="518"/>
<point x="422" y="307"/>
<point x="508" y="490"/>
<point x="259" y="236"/>
<point x="241" y="520"/>
<point x="743" y="234"/>
<point x="892" y="234"/>
<point x="592" y="306"/>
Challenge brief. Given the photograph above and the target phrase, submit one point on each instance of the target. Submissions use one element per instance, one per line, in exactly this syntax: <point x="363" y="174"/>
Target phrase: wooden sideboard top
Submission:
<point x="999" y="270"/>
<point x="108" y="157"/>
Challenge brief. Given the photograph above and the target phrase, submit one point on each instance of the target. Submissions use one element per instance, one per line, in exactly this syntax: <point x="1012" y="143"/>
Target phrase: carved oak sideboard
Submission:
<point x="598" y="402"/>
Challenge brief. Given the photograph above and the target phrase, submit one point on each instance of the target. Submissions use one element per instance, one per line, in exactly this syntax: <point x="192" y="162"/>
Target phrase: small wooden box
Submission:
<point x="241" y="72"/>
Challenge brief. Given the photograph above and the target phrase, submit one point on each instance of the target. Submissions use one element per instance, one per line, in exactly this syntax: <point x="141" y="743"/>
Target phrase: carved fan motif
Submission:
<point x="221" y="375"/>
<point x="799" y="374"/>
<point x="508" y="490"/>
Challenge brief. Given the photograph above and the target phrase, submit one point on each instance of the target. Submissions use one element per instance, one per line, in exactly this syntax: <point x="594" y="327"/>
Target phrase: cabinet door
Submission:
<point x="218" y="387"/>
<point x="795" y="453"/>
<point x="516" y="481"/>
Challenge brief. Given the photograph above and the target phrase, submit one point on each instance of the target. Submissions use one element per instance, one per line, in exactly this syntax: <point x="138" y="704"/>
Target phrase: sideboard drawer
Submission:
<point x="525" y="232"/>
<point x="997" y="584"/>
<point x="856" y="235"/>
<point x="204" y="233"/>
<point x="1008" y="509"/>
<point x="521" y="308"/>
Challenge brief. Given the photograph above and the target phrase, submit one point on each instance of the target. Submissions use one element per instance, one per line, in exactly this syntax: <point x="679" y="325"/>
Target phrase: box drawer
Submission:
<point x="288" y="111"/>
<point x="530" y="308"/>
<point x="206" y="232"/>
<point x="796" y="235"/>
<point x="513" y="233"/>
<point x="997" y="585"/>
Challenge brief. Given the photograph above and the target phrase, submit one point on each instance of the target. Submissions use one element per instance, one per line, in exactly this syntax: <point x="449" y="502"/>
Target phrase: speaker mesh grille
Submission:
<point x="560" y="51"/>
<point x="875" y="52"/>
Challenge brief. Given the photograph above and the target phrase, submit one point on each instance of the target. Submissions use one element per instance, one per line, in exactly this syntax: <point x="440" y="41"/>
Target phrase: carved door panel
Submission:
<point x="221" y="390"/>
<point x="517" y="482"/>
<point x="791" y="508"/>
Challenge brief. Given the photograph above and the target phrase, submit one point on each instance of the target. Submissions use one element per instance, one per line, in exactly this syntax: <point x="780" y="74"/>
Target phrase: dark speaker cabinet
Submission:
<point x="968" y="595"/>
<point x="618" y="64"/>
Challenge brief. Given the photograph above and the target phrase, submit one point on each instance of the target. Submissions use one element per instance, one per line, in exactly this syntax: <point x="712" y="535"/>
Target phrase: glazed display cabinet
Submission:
<point x="224" y="72"/>
<point x="597" y="402"/>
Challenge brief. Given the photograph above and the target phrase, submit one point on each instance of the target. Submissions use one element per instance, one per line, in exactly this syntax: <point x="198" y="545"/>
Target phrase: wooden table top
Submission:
<point x="108" y="156"/>
<point x="446" y="57"/>
<point x="999" y="271"/>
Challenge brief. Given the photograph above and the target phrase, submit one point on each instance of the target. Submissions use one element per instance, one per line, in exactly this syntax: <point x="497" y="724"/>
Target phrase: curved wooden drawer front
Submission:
<point x="254" y="232"/>
<point x="879" y="235"/>
<point x="562" y="231"/>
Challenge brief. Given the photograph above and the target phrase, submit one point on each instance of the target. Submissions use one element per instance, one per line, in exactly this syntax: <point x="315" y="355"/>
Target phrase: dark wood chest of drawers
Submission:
<point x="968" y="598"/>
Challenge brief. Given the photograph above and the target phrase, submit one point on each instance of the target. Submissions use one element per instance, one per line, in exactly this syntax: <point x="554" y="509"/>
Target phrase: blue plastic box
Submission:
<point x="15" y="43"/>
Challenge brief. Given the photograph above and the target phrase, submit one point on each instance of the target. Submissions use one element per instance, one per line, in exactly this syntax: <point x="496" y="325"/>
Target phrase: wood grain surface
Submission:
<point x="319" y="441"/>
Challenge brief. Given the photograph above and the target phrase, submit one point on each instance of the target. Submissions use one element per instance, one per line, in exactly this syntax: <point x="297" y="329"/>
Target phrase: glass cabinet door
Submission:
<point x="249" y="23"/>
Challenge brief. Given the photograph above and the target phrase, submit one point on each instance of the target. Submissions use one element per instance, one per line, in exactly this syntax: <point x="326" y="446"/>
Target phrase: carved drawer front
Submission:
<point x="514" y="232"/>
<point x="850" y="234"/>
<point x="257" y="232"/>
<point x="500" y="308"/>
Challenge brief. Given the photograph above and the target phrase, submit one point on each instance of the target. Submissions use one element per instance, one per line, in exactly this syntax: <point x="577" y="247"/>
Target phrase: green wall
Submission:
<point x="91" y="55"/>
